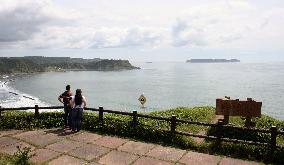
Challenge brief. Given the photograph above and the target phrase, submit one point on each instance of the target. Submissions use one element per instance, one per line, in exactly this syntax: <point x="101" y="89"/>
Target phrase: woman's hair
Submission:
<point x="68" y="87"/>
<point x="78" y="97"/>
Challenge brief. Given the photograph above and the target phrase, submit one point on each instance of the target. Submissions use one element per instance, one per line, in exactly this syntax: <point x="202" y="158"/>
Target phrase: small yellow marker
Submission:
<point x="142" y="100"/>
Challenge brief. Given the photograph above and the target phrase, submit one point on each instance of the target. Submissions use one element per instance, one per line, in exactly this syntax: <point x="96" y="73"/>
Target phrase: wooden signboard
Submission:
<point x="248" y="108"/>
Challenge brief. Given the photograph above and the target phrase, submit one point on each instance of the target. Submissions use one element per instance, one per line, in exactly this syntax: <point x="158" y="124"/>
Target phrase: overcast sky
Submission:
<point x="138" y="30"/>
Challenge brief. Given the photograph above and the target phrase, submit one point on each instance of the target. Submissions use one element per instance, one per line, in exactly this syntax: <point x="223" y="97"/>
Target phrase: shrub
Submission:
<point x="22" y="156"/>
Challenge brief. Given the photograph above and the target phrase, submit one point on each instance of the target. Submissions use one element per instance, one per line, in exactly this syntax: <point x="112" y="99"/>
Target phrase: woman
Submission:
<point x="78" y="103"/>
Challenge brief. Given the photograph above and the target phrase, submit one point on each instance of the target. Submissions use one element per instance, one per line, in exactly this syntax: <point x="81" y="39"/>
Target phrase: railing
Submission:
<point x="273" y="131"/>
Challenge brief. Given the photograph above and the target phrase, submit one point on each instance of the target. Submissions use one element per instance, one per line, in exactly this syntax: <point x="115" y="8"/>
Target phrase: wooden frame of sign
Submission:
<point x="247" y="109"/>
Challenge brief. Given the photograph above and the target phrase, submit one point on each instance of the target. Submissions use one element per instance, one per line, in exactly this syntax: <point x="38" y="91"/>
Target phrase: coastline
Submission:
<point x="10" y="77"/>
<point x="24" y="99"/>
<point x="11" y="97"/>
<point x="60" y="70"/>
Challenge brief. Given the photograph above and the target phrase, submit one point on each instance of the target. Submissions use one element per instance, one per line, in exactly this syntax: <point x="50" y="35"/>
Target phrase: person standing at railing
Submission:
<point x="78" y="103"/>
<point x="65" y="98"/>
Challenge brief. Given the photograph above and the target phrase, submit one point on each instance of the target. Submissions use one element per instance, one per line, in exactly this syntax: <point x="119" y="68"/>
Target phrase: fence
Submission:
<point x="273" y="131"/>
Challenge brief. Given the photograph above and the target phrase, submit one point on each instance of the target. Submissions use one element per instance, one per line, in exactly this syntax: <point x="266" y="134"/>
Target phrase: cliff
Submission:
<point x="32" y="64"/>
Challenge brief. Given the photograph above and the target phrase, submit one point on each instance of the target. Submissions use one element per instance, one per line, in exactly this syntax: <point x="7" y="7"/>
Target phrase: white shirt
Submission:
<point x="78" y="106"/>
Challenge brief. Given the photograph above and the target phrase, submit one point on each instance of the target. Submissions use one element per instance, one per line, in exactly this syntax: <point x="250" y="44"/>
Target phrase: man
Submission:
<point x="64" y="98"/>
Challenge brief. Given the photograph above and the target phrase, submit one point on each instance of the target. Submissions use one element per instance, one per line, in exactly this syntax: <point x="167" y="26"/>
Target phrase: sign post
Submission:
<point x="142" y="100"/>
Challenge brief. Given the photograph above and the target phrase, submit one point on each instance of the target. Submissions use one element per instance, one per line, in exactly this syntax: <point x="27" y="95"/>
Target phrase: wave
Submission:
<point x="12" y="98"/>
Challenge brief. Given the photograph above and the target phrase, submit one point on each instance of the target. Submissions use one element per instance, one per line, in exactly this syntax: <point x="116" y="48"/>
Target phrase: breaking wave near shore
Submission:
<point x="12" y="98"/>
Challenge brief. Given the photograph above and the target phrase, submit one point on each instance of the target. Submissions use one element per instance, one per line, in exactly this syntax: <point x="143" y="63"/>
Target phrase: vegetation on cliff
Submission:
<point x="32" y="64"/>
<point x="108" y="65"/>
<point x="8" y="65"/>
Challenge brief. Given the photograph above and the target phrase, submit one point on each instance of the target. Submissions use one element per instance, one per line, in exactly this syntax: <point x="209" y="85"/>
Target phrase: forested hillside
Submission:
<point x="32" y="64"/>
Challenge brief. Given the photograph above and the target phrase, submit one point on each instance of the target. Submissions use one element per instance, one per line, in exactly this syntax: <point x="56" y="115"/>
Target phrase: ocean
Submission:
<point x="164" y="84"/>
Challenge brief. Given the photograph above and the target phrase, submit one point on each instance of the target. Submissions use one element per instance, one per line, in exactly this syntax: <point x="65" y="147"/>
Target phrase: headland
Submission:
<point x="212" y="60"/>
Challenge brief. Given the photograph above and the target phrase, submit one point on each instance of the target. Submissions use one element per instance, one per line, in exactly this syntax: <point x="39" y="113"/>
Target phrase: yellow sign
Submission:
<point x="142" y="99"/>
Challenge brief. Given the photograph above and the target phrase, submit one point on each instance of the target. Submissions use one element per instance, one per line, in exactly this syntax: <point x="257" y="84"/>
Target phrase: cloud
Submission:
<point x="141" y="37"/>
<point x="209" y="25"/>
<point x="184" y="35"/>
<point x="239" y="4"/>
<point x="21" y="20"/>
<point x="43" y="24"/>
<point x="99" y="41"/>
<point x="126" y="37"/>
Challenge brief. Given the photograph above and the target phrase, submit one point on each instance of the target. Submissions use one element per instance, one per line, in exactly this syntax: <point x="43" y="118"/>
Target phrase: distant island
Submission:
<point x="212" y="60"/>
<point x="31" y="64"/>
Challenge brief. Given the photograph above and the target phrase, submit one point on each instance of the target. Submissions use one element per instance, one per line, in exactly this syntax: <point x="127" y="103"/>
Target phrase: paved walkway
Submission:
<point x="61" y="147"/>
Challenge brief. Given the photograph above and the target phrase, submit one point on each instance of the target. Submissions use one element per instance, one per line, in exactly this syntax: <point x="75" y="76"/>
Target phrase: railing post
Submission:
<point x="36" y="111"/>
<point x="173" y="123"/>
<point x="273" y="130"/>
<point x="219" y="131"/>
<point x="101" y="115"/>
<point x="134" y="120"/>
<point x="248" y="122"/>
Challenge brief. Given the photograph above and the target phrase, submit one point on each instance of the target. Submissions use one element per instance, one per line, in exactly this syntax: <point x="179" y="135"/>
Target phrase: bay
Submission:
<point x="165" y="85"/>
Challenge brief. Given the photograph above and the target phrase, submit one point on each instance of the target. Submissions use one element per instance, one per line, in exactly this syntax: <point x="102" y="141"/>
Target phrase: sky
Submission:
<point x="159" y="30"/>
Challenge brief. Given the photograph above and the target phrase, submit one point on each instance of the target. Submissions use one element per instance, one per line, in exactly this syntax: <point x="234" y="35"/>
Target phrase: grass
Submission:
<point x="5" y="159"/>
<point x="12" y="160"/>
<point x="202" y="114"/>
<point x="263" y="122"/>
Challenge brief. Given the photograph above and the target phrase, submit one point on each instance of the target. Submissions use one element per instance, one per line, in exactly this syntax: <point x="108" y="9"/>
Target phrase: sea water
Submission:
<point x="165" y="85"/>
